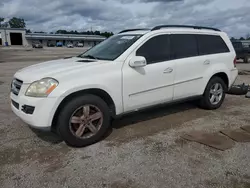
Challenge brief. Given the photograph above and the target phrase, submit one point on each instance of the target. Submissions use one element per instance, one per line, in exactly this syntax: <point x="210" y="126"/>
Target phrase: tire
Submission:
<point x="238" y="90"/>
<point x="247" y="59"/>
<point x="65" y="127"/>
<point x="205" y="102"/>
<point x="248" y="95"/>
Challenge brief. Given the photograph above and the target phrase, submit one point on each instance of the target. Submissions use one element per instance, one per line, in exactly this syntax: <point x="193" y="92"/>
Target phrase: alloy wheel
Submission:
<point x="86" y="121"/>
<point x="216" y="93"/>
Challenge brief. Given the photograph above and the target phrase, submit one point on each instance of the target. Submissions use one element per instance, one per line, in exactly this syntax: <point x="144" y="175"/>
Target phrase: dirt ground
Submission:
<point x="142" y="150"/>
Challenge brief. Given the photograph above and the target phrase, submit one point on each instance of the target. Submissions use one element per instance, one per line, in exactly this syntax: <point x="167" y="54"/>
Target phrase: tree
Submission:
<point x="248" y="36"/>
<point x="97" y="32"/>
<point x="61" y="32"/>
<point x="17" y="22"/>
<point x="39" y="32"/>
<point x="2" y="24"/>
<point x="107" y="34"/>
<point x="1" y="20"/>
<point x="242" y="38"/>
<point x="28" y="31"/>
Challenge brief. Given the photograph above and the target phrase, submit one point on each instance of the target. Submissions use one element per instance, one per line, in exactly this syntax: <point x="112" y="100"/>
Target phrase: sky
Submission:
<point x="231" y="16"/>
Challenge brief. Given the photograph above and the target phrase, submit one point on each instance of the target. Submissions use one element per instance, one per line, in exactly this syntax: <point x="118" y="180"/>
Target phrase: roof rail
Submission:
<point x="183" y="26"/>
<point x="127" y="30"/>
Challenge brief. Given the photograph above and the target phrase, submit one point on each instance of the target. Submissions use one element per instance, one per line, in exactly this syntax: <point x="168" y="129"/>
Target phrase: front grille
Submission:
<point x="15" y="104"/>
<point x="16" y="86"/>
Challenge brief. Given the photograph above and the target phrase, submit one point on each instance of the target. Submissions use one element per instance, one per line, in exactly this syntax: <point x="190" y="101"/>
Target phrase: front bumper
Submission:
<point x="39" y="118"/>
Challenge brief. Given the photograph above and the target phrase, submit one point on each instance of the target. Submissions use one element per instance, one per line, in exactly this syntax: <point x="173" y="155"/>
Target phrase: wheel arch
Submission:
<point x="94" y="91"/>
<point x="221" y="75"/>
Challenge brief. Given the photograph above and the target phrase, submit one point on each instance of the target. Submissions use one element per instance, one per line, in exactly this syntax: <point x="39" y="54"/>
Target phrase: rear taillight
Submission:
<point x="235" y="61"/>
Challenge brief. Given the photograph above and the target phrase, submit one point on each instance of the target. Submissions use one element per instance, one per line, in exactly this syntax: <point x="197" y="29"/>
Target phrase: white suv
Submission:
<point x="130" y="71"/>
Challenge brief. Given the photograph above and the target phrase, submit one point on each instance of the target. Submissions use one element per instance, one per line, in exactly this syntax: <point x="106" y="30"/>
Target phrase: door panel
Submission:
<point x="188" y="77"/>
<point x="153" y="83"/>
<point x="189" y="66"/>
<point x="147" y="85"/>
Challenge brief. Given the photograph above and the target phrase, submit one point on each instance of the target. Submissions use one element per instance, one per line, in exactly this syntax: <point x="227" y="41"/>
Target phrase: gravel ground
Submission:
<point x="142" y="150"/>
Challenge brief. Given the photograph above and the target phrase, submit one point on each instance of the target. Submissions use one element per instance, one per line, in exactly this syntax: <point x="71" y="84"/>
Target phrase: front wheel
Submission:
<point x="83" y="121"/>
<point x="214" y="94"/>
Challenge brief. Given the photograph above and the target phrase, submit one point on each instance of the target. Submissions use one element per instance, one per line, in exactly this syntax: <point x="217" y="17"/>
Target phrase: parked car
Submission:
<point x="242" y="52"/>
<point x="59" y="44"/>
<point x="37" y="45"/>
<point x="79" y="44"/>
<point x="70" y="45"/>
<point x="130" y="71"/>
<point x="51" y="45"/>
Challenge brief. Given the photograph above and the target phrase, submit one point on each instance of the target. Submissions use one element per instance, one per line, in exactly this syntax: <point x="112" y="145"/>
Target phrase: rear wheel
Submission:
<point x="214" y="94"/>
<point x="84" y="120"/>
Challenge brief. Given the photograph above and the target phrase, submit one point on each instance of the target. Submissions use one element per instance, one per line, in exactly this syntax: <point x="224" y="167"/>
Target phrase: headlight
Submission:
<point x="42" y="88"/>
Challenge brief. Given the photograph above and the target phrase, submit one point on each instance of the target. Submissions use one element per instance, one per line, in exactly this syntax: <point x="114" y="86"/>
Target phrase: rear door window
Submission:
<point x="211" y="44"/>
<point x="183" y="46"/>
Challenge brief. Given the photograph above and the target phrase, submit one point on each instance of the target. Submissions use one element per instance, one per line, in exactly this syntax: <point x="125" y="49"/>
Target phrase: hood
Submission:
<point x="54" y="68"/>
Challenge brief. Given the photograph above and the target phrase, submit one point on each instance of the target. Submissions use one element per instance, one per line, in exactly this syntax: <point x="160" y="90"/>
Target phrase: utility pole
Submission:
<point x="5" y="36"/>
<point x="5" y="33"/>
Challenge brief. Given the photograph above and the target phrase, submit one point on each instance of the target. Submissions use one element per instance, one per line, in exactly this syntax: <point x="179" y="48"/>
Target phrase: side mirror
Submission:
<point x="138" y="61"/>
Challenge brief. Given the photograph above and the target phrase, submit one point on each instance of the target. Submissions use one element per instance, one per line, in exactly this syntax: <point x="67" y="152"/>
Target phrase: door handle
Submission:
<point x="207" y="62"/>
<point x="168" y="70"/>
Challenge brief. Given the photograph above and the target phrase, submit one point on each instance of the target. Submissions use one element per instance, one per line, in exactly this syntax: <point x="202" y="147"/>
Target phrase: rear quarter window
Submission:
<point x="211" y="44"/>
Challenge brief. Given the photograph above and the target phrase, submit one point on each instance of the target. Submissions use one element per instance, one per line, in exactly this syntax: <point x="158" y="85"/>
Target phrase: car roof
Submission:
<point x="137" y="32"/>
<point x="173" y="28"/>
<point x="186" y="30"/>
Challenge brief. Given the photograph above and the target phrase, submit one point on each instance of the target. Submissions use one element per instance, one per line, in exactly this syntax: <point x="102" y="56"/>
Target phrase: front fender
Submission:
<point x="63" y="95"/>
<point x="114" y="94"/>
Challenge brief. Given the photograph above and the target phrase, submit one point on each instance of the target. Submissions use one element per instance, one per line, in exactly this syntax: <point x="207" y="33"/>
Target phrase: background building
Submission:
<point x="45" y="39"/>
<point x="11" y="36"/>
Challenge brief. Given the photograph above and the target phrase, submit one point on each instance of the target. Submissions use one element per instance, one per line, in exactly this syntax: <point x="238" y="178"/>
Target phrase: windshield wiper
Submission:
<point x="89" y="56"/>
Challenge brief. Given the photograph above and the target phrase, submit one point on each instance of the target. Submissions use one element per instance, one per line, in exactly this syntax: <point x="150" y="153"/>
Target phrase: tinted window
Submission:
<point x="184" y="45"/>
<point x="209" y="44"/>
<point x="156" y="49"/>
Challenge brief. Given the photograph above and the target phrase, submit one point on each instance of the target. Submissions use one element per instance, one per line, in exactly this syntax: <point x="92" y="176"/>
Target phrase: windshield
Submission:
<point x="111" y="48"/>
